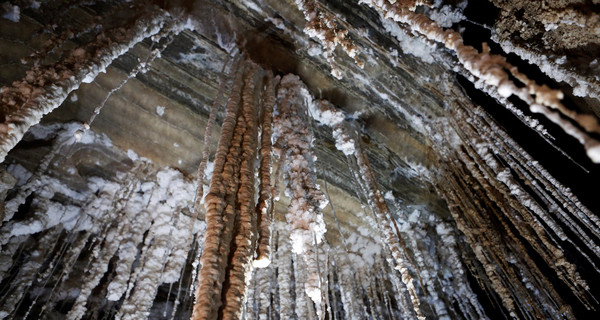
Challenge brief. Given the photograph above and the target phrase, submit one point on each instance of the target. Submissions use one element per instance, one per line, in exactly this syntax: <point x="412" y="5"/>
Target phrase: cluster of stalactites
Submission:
<point x="326" y="113"/>
<point x="235" y="224"/>
<point x="533" y="212"/>
<point x="134" y="230"/>
<point x="350" y="291"/>
<point x="323" y="26"/>
<point x="496" y="72"/>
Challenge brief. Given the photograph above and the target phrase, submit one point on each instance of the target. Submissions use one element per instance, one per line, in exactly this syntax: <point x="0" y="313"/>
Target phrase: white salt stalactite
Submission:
<point x="352" y="306"/>
<point x="28" y="273"/>
<point x="284" y="272"/>
<point x="323" y="26"/>
<point x="138" y="304"/>
<point x="301" y="302"/>
<point x="262" y="289"/>
<point x="555" y="257"/>
<point x="111" y="241"/>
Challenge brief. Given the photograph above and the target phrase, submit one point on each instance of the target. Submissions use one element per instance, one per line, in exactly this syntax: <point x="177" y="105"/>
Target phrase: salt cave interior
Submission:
<point x="300" y="159"/>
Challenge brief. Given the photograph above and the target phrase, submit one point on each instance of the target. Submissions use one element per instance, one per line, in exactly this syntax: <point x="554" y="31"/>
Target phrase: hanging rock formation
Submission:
<point x="305" y="159"/>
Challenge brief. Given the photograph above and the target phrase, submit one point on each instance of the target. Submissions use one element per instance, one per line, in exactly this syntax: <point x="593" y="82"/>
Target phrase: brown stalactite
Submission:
<point x="245" y="229"/>
<point x="264" y="207"/>
<point x="219" y="213"/>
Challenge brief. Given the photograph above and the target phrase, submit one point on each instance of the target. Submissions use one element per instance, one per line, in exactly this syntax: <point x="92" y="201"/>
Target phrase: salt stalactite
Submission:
<point x="44" y="89"/>
<point x="505" y="281"/>
<point x="201" y="175"/>
<point x="527" y="206"/>
<point x="306" y="200"/>
<point x="179" y="249"/>
<point x="284" y="272"/>
<point x="218" y="218"/>
<point x="28" y="273"/>
<point x="352" y="305"/>
<point x="425" y="263"/>
<point x="323" y="26"/>
<point x="231" y="222"/>
<point x="127" y="251"/>
<point x="250" y="310"/>
<point x="511" y="272"/>
<point x="495" y="71"/>
<point x="333" y="290"/>
<point x="245" y="230"/>
<point x="153" y="258"/>
<point x="264" y="208"/>
<point x="111" y="241"/>
<point x="462" y="292"/>
<point x="301" y="304"/>
<point x="96" y="226"/>
<point x="326" y="113"/>
<point x="556" y="193"/>
<point x="582" y="86"/>
<point x="262" y="291"/>
<point x="34" y="182"/>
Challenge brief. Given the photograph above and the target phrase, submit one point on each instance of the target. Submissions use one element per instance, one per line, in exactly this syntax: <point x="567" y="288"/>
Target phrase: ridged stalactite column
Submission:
<point x="230" y="207"/>
<point x="264" y="207"/>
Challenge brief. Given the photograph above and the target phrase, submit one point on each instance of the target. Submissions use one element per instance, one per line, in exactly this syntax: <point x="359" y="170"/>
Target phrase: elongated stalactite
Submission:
<point x="264" y="208"/>
<point x="292" y="136"/>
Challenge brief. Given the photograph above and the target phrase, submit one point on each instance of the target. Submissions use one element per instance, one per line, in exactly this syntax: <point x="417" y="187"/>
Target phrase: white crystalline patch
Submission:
<point x="447" y="15"/>
<point x="252" y="6"/>
<point x="314" y="49"/>
<point x="347" y="147"/>
<point x="160" y="110"/>
<point x="261" y="263"/>
<point x="504" y="90"/>
<point x="408" y="44"/>
<point x="20" y="173"/>
<point x="74" y="97"/>
<point x="414" y="216"/>
<point x="443" y="229"/>
<point x="132" y="155"/>
<point x="12" y="13"/>
<point x="278" y="23"/>
<point x="389" y="196"/>
<point x="208" y="171"/>
<point x="594" y="153"/>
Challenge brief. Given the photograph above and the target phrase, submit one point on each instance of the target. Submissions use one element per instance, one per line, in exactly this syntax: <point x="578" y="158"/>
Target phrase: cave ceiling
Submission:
<point x="402" y="93"/>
